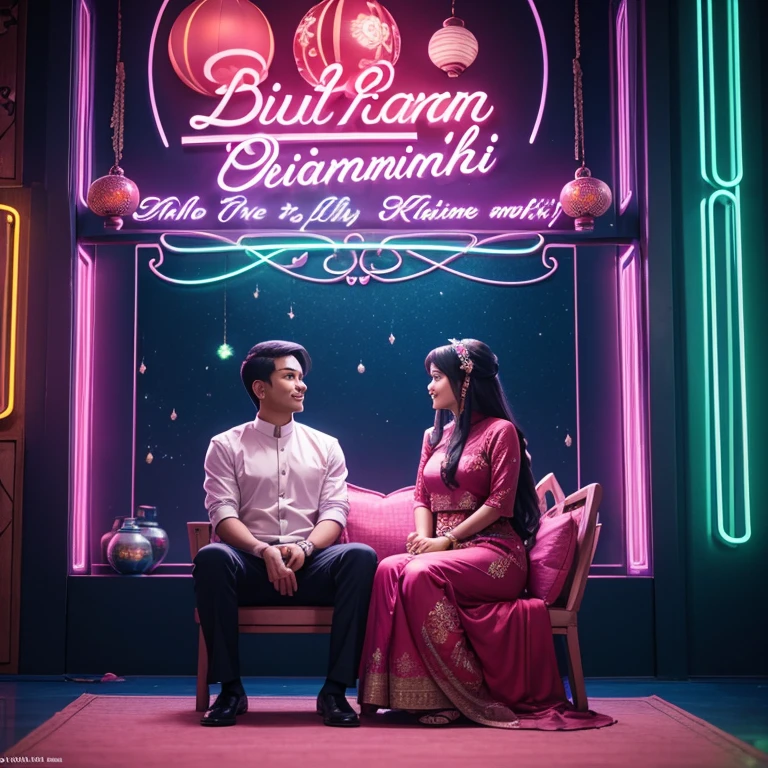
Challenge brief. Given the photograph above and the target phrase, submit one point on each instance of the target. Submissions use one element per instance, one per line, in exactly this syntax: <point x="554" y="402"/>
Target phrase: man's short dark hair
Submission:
<point x="259" y="363"/>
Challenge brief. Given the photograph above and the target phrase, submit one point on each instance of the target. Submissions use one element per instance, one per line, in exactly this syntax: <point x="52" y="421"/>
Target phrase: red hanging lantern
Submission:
<point x="353" y="33"/>
<point x="234" y="33"/>
<point x="585" y="198"/>
<point x="114" y="195"/>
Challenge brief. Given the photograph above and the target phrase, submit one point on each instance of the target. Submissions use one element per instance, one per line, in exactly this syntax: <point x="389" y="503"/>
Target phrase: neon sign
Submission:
<point x="330" y="135"/>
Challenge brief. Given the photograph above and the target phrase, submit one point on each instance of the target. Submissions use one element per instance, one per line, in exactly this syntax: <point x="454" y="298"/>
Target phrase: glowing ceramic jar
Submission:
<point x="453" y="48"/>
<point x="353" y="33"/>
<point x="129" y="552"/>
<point x="211" y="40"/>
<point x="585" y="198"/>
<point x="113" y="196"/>
<point x="146" y="519"/>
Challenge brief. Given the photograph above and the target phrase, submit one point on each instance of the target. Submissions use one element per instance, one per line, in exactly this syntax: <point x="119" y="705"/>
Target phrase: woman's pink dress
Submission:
<point x="449" y="629"/>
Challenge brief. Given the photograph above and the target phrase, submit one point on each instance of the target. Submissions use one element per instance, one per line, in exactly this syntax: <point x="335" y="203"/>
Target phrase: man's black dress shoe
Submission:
<point x="225" y="709"/>
<point x="336" y="710"/>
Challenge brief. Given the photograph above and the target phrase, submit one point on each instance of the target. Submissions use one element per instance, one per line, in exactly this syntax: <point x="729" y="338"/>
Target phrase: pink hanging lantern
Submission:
<point x="585" y="198"/>
<point x="453" y="48"/>
<point x="113" y="196"/>
<point x="353" y="33"/>
<point x="211" y="40"/>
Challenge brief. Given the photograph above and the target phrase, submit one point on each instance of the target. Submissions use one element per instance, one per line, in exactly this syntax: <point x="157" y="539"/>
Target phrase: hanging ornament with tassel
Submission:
<point x="114" y="195"/>
<point x="453" y="48"/>
<point x="585" y="198"/>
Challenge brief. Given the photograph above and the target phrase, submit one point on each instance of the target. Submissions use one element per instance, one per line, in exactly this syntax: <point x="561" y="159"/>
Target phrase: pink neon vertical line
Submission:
<point x="578" y="372"/>
<point x="634" y="433"/>
<point x="81" y="493"/>
<point x="545" y="75"/>
<point x="84" y="104"/>
<point x="623" y="105"/>
<point x="151" y="76"/>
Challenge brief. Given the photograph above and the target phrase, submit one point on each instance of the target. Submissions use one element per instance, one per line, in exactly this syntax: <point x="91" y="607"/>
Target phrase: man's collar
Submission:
<point x="271" y="430"/>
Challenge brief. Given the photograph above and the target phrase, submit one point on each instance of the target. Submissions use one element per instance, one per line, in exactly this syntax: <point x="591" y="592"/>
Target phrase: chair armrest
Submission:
<point x="199" y="536"/>
<point x="548" y="484"/>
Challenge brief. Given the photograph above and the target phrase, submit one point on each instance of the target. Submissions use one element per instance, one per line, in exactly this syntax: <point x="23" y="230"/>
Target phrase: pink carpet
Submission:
<point x="154" y="731"/>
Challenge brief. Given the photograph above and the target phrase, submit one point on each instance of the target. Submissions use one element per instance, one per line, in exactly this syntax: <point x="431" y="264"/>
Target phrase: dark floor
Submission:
<point x="739" y="707"/>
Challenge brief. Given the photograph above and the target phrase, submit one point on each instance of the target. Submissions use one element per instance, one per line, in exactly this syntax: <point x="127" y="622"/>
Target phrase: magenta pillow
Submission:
<point x="378" y="520"/>
<point x="550" y="560"/>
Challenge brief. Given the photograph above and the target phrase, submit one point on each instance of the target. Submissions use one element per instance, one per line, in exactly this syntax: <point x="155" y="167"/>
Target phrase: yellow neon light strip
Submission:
<point x="12" y="220"/>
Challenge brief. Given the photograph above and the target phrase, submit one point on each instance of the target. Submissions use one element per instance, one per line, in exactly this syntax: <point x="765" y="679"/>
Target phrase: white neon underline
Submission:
<point x="313" y="137"/>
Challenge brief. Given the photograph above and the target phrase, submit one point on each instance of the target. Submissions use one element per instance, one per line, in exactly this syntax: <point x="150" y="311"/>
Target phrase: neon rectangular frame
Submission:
<point x="624" y="107"/>
<point x="721" y="252"/>
<point x="12" y="219"/>
<point x="633" y="412"/>
<point x="84" y="148"/>
<point x="82" y="404"/>
<point x="635" y="447"/>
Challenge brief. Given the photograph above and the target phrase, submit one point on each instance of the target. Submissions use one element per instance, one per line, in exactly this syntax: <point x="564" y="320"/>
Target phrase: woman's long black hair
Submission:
<point x="484" y="396"/>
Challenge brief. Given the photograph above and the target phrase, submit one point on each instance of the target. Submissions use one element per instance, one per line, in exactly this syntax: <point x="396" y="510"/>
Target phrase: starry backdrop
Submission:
<point x="186" y="393"/>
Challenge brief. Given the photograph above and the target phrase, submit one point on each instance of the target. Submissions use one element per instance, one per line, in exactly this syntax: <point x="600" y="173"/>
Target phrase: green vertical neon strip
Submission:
<point x="725" y="397"/>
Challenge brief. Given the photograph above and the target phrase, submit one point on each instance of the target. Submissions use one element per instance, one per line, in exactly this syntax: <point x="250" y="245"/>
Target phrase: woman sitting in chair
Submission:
<point x="448" y="634"/>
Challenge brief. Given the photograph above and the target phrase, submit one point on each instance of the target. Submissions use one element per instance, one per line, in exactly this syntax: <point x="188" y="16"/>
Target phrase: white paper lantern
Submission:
<point x="453" y="48"/>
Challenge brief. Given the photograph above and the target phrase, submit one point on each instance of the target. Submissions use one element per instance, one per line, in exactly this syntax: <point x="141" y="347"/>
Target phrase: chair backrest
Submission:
<point x="199" y="536"/>
<point x="583" y="505"/>
<point x="549" y="485"/>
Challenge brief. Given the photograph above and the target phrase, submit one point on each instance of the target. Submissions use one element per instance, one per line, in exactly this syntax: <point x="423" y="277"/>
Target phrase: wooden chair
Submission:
<point x="285" y="620"/>
<point x="563" y="615"/>
<point x="549" y="484"/>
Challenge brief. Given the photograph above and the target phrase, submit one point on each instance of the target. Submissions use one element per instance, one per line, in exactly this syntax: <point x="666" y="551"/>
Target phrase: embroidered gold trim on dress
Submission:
<point x="441" y="502"/>
<point x="405" y="666"/>
<point x="374" y="664"/>
<point x="476" y="463"/>
<point x="415" y="693"/>
<point x="375" y="690"/>
<point x="442" y="620"/>
<point x="498" y="568"/>
<point x="464" y="658"/>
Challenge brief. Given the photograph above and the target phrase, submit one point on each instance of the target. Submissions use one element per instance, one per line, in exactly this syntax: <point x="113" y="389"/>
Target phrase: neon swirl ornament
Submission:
<point x="319" y="259"/>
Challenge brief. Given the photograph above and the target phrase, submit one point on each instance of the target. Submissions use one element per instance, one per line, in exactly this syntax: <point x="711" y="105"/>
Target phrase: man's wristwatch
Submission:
<point x="307" y="547"/>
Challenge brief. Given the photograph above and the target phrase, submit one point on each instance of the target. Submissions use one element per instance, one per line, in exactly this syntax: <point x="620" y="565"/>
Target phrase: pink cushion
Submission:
<point x="551" y="558"/>
<point x="382" y="522"/>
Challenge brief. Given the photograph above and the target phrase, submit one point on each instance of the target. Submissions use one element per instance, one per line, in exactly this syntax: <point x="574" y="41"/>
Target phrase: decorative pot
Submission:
<point x="130" y="552"/>
<point x="108" y="536"/>
<point x="146" y="519"/>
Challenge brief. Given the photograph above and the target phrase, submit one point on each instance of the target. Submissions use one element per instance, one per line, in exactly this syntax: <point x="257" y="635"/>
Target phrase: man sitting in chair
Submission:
<point x="276" y="495"/>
